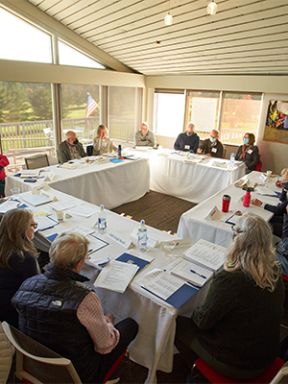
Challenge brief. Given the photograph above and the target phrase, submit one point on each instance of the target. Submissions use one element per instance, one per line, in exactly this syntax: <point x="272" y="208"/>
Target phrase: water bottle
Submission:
<point x="232" y="160"/>
<point x="142" y="237"/>
<point x="102" y="222"/>
<point x="247" y="198"/>
<point x="119" y="151"/>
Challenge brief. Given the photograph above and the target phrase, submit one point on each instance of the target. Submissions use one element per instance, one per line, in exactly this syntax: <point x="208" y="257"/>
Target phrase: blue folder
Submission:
<point x="127" y="258"/>
<point x="178" y="298"/>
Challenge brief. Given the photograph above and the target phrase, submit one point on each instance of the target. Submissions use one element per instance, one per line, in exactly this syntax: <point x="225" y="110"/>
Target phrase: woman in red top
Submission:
<point x="3" y="163"/>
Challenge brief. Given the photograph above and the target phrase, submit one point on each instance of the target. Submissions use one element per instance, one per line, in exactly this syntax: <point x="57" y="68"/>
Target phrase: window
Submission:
<point x="25" y="120"/>
<point x="70" y="56"/>
<point x="121" y="113"/>
<point x="202" y="109"/>
<point x="74" y="100"/>
<point x="22" y="41"/>
<point x="169" y="112"/>
<point x="240" y="114"/>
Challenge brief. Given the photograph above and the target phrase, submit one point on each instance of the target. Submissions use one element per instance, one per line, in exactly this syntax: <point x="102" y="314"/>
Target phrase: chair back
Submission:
<point x="258" y="165"/>
<point x="38" y="364"/>
<point x="37" y="161"/>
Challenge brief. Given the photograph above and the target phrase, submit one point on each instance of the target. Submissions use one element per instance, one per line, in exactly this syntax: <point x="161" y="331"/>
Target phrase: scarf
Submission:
<point x="243" y="154"/>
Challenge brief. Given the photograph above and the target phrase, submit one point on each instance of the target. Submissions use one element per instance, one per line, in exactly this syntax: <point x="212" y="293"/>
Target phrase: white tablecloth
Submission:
<point x="192" y="223"/>
<point x="172" y="175"/>
<point x="154" y="344"/>
<point x="109" y="184"/>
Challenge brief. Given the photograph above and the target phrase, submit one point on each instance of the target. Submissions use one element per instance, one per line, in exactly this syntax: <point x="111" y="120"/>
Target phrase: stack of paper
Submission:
<point x="206" y="254"/>
<point x="192" y="272"/>
<point x="29" y="173"/>
<point x="135" y="260"/>
<point x="44" y="222"/>
<point x="7" y="205"/>
<point x="116" y="276"/>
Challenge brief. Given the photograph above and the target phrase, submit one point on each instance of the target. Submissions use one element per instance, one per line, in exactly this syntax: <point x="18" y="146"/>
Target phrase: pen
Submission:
<point x="196" y="273"/>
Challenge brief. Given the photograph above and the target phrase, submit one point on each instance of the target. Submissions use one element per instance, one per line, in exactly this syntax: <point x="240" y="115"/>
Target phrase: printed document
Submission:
<point x="116" y="276"/>
<point x="194" y="273"/>
<point x="207" y="254"/>
<point x="84" y="210"/>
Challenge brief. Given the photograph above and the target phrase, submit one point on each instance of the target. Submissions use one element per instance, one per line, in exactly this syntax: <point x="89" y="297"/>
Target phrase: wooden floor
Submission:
<point x="159" y="211"/>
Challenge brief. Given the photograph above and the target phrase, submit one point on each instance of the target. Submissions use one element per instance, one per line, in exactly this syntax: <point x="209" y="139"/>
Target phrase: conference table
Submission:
<point x="187" y="176"/>
<point x="196" y="222"/>
<point x="154" y="345"/>
<point x="110" y="184"/>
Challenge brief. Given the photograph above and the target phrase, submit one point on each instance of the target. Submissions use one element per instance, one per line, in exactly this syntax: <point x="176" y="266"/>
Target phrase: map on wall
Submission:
<point x="276" y="125"/>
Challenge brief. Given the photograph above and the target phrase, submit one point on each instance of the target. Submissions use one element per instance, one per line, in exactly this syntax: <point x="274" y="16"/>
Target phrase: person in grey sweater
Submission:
<point x="144" y="137"/>
<point x="70" y="149"/>
<point x="102" y="143"/>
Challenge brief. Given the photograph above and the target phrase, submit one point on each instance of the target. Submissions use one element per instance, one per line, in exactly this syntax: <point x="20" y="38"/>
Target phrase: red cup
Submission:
<point x="226" y="203"/>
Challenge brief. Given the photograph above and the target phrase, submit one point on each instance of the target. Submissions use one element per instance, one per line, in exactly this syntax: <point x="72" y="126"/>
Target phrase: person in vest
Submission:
<point x="62" y="313"/>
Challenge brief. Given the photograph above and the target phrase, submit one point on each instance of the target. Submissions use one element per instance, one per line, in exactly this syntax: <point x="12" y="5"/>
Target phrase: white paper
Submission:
<point x="36" y="190"/>
<point x="62" y="205"/>
<point x="179" y="243"/>
<point x="49" y="176"/>
<point x="266" y="191"/>
<point x="163" y="285"/>
<point x="207" y="254"/>
<point x="116" y="276"/>
<point x="7" y="205"/>
<point x="44" y="222"/>
<point x="95" y="244"/>
<point x="83" y="210"/>
<point x="29" y="173"/>
<point x="81" y="229"/>
<point x="120" y="239"/>
<point x="192" y="272"/>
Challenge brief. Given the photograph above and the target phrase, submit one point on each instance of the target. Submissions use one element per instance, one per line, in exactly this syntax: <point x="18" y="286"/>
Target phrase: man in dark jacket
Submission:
<point x="70" y="149"/>
<point x="65" y="315"/>
<point x="212" y="146"/>
<point x="188" y="140"/>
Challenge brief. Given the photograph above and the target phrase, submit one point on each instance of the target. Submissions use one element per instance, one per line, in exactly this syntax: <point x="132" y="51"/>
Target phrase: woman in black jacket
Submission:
<point x="248" y="152"/>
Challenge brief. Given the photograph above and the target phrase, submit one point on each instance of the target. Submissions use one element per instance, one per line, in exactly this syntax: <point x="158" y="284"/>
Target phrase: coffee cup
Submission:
<point x="268" y="173"/>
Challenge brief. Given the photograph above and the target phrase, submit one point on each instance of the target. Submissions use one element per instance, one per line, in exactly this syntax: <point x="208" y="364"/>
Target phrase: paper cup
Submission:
<point x="60" y="215"/>
<point x="269" y="173"/>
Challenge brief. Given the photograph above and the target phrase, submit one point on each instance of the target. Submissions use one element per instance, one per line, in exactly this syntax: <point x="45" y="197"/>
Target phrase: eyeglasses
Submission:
<point x="35" y="225"/>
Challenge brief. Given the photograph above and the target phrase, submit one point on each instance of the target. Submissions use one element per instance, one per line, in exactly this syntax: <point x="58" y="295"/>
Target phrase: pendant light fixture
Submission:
<point x="212" y="8"/>
<point x="168" y="19"/>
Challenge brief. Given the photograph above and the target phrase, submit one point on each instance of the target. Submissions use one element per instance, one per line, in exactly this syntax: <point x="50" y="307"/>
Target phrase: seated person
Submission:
<point x="102" y="143"/>
<point x="3" y="163"/>
<point x="282" y="246"/>
<point x="188" y="140"/>
<point x="248" y="152"/>
<point x="212" y="146"/>
<point x="61" y="312"/>
<point x="145" y="137"/>
<point x="17" y="258"/>
<point x="224" y="330"/>
<point x="70" y="149"/>
<point x="280" y="209"/>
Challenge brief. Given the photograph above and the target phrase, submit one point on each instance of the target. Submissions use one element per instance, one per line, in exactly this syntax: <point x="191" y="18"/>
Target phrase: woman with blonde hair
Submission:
<point x="17" y="258"/>
<point x="236" y="329"/>
<point x="102" y="143"/>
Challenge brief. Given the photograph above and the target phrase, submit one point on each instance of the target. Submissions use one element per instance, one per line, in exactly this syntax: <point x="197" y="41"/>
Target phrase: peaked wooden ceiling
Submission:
<point x="244" y="37"/>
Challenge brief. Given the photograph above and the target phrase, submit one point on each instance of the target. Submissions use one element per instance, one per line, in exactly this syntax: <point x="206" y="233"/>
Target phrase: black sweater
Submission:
<point x="10" y="281"/>
<point x="239" y="322"/>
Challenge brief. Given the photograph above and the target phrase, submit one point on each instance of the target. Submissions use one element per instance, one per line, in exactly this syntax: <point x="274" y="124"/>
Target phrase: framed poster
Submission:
<point x="276" y="125"/>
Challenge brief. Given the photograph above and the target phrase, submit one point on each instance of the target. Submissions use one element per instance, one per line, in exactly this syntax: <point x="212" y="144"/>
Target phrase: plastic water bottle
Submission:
<point x="142" y="237"/>
<point x="102" y="222"/>
<point x="232" y="160"/>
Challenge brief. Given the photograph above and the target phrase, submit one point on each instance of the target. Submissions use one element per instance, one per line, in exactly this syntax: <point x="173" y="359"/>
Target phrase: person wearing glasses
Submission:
<point x="236" y="329"/>
<point x="18" y="258"/>
<point x="61" y="312"/>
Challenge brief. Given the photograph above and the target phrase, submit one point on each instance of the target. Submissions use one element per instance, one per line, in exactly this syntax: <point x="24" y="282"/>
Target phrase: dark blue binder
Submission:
<point x="127" y="258"/>
<point x="178" y="298"/>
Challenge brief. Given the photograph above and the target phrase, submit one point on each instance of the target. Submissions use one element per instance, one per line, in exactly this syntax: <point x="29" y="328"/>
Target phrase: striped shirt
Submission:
<point x="90" y="314"/>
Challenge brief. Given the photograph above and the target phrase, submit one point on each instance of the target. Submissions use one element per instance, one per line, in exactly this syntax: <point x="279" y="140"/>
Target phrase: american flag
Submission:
<point x="91" y="106"/>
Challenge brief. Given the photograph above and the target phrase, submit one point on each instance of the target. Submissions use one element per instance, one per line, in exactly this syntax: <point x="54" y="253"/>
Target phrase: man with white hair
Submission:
<point x="65" y="315"/>
<point x="212" y="147"/>
<point x="187" y="141"/>
<point x="70" y="149"/>
<point x="144" y="137"/>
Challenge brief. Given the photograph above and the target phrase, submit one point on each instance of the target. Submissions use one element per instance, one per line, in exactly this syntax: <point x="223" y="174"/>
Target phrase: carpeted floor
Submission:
<point x="159" y="211"/>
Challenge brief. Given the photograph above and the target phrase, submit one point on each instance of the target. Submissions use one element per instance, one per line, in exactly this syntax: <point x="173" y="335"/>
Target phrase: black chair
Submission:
<point x="89" y="150"/>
